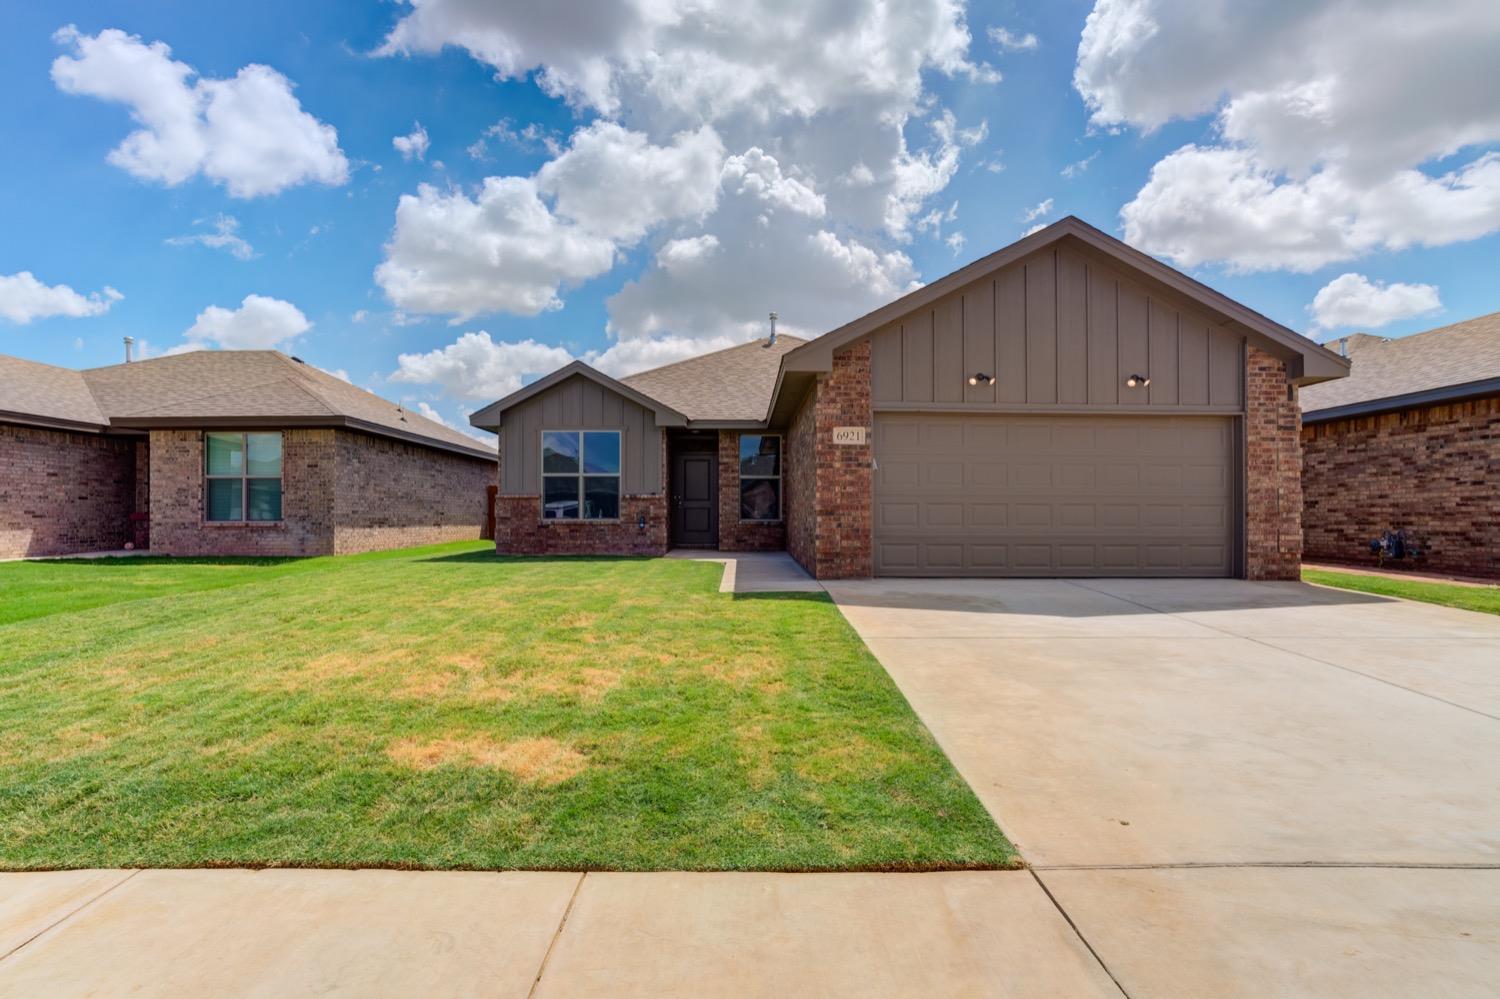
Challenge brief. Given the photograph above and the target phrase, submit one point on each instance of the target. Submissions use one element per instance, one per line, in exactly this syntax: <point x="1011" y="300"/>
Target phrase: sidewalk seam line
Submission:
<point x="1289" y="865"/>
<point x="65" y="917"/>
<point x="1302" y="655"/>
<point x="556" y="935"/>
<point x="1076" y="931"/>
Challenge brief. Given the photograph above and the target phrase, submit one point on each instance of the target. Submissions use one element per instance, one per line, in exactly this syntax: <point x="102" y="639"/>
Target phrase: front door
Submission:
<point x="695" y="499"/>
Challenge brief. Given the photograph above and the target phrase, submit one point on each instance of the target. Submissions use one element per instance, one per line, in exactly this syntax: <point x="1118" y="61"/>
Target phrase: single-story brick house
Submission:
<point x="1066" y="406"/>
<point x="225" y="453"/>
<point x="1410" y="441"/>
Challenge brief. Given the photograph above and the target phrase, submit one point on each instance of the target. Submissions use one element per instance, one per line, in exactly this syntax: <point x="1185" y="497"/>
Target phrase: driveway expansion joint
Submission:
<point x="1076" y="931"/>
<point x="66" y="916"/>
<point x="552" y="944"/>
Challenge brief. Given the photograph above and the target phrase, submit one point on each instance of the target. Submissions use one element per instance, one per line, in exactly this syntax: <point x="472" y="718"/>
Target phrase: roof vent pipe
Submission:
<point x="129" y="348"/>
<point x="771" y="340"/>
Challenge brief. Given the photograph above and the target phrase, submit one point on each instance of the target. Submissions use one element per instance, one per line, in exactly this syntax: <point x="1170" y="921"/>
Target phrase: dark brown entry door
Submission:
<point x="695" y="499"/>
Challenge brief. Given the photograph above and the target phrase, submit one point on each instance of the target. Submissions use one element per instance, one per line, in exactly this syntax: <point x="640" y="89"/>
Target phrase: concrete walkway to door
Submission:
<point x="1229" y="788"/>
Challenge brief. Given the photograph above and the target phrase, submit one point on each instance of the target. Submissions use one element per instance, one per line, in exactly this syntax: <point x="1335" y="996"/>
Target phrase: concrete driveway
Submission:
<point x="1230" y="788"/>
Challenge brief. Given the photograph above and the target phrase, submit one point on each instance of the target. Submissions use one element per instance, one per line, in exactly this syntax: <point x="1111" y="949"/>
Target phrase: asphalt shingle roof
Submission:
<point x="29" y="388"/>
<point x="731" y="384"/>
<point x="207" y="385"/>
<point x="1381" y="368"/>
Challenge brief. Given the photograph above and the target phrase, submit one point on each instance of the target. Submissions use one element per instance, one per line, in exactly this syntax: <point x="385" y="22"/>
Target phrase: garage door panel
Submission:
<point x="1061" y="496"/>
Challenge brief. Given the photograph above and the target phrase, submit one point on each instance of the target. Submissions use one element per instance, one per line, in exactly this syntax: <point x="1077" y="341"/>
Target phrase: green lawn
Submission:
<point x="442" y="707"/>
<point x="1474" y="598"/>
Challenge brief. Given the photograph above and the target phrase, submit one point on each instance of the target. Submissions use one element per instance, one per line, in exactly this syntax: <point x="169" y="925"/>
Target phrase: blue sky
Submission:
<point x="704" y="194"/>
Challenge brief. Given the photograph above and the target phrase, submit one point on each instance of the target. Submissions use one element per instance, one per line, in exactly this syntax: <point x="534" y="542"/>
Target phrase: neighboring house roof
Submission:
<point x="219" y="387"/>
<point x="726" y="386"/>
<point x="488" y="418"/>
<point x="31" y="392"/>
<point x="1452" y="362"/>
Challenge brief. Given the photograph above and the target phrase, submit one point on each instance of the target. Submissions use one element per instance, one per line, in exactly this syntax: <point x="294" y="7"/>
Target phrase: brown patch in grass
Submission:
<point x="743" y="670"/>
<point x="853" y="756"/>
<point x="755" y="754"/>
<point x="542" y="761"/>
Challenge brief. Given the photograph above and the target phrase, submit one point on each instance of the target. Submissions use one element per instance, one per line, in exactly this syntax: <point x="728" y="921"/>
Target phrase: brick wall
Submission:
<point x="520" y="529"/>
<point x="1433" y="471"/>
<point x="391" y="494"/>
<point x="801" y="483"/>
<point x="309" y="459"/>
<point x="63" y="492"/>
<point x="835" y="541"/>
<point x="1273" y="467"/>
<point x="736" y="535"/>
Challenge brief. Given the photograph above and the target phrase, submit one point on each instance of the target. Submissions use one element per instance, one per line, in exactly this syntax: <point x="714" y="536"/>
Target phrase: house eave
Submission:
<point x="50" y="422"/>
<point x="298" y="423"/>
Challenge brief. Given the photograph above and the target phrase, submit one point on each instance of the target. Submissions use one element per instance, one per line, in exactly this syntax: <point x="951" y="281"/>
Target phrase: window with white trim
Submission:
<point x="760" y="477"/>
<point x="241" y="477"/>
<point x="580" y="474"/>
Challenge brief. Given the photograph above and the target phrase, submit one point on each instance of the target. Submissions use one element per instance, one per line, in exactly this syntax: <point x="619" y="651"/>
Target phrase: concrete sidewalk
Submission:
<point x="394" y="933"/>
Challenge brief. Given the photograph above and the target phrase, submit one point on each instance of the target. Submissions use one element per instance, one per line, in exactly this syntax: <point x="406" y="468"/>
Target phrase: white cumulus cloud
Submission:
<point x="260" y="323"/>
<point x="1353" y="300"/>
<point x="412" y="145"/>
<point x="248" y="132"/>
<point x="1328" y="121"/>
<point x="476" y="368"/>
<point x="772" y="156"/>
<point x="225" y="236"/>
<point x="1013" y="41"/>
<point x="24" y="298"/>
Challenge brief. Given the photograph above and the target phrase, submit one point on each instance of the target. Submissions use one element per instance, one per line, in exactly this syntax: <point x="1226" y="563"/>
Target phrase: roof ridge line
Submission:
<point x="711" y="353"/>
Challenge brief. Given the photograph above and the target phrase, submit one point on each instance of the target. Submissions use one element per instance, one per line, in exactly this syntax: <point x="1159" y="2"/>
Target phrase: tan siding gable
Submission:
<point x="1058" y="330"/>
<point x="579" y="404"/>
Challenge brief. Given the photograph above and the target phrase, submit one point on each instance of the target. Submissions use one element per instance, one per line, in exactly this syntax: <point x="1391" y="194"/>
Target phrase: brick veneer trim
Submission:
<point x="1432" y="471"/>
<point x="1273" y="470"/>
<point x="63" y="492"/>
<point x="843" y="480"/>
<point x="391" y="494"/>
<point x="736" y="535"/>
<point x="341" y="492"/>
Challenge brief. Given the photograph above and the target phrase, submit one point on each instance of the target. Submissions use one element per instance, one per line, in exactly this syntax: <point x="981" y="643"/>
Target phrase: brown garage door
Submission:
<point x="962" y="495"/>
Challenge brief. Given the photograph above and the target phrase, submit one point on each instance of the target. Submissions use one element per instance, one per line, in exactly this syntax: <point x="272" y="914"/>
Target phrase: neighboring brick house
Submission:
<point x="1066" y="406"/>
<point x="1410" y="441"/>
<point x="224" y="453"/>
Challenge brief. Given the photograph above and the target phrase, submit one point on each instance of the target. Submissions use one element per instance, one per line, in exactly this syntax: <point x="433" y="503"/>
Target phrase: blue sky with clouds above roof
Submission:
<point x="443" y="199"/>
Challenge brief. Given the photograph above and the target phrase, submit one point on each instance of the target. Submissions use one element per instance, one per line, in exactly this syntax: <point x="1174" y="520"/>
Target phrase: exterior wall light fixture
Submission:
<point x="980" y="378"/>
<point x="1137" y="381"/>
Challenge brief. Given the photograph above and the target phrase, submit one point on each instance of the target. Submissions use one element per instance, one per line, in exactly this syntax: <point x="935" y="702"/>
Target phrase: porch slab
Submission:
<point x="755" y="572"/>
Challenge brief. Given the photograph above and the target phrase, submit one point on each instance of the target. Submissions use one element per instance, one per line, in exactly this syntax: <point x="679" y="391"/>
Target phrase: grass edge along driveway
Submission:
<point x="446" y="708"/>
<point x="1484" y="599"/>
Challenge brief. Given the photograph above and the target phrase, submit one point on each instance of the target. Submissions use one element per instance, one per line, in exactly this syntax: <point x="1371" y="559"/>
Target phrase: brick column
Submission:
<point x="844" y="486"/>
<point x="1273" y="470"/>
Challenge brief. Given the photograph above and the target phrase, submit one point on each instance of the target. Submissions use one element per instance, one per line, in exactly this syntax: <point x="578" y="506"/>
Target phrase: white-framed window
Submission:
<point x="580" y="474"/>
<point x="760" y="477"/>
<point x="241" y="477"/>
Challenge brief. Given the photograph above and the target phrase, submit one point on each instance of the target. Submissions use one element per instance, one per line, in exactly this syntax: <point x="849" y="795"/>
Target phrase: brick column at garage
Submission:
<point x="843" y="499"/>
<point x="1273" y="470"/>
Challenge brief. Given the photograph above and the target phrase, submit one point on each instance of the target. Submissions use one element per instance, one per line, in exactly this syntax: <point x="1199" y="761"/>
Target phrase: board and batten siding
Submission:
<point x="1059" y="331"/>
<point x="579" y="404"/>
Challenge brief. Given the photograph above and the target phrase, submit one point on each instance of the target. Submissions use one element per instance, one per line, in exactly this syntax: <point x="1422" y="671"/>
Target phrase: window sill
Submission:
<point x="259" y="525"/>
<point x="582" y="520"/>
<point x="762" y="523"/>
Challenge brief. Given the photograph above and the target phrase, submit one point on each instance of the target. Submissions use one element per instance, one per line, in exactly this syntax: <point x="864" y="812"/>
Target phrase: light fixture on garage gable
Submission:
<point x="1137" y="381"/>
<point x="980" y="378"/>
